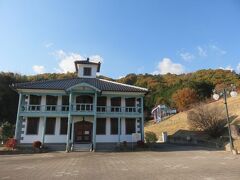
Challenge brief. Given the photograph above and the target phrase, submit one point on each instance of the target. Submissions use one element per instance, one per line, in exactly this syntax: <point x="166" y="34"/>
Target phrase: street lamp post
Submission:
<point x="216" y="96"/>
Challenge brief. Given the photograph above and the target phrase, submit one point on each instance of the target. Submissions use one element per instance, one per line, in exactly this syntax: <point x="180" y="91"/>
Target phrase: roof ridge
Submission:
<point x="128" y="85"/>
<point x="46" y="80"/>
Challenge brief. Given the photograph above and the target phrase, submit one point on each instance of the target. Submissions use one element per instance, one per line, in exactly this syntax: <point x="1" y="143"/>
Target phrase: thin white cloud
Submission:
<point x="66" y="60"/>
<point x="38" y="69"/>
<point x="96" y="58"/>
<point x="217" y="49"/>
<point x="227" y="68"/>
<point x="48" y="45"/>
<point x="186" y="56"/>
<point x="201" y="51"/>
<point x="167" y="66"/>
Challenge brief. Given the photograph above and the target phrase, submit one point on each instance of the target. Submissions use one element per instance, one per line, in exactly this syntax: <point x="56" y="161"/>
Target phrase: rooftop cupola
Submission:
<point x="87" y="68"/>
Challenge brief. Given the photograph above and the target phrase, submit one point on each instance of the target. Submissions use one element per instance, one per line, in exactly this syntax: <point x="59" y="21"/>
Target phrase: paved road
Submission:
<point x="172" y="162"/>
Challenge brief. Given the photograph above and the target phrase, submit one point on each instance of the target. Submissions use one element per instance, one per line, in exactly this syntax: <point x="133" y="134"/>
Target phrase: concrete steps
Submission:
<point x="81" y="147"/>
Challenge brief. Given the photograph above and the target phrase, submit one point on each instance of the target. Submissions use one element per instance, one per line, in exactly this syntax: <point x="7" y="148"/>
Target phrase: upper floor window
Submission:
<point x="35" y="100"/>
<point x="51" y="100"/>
<point x="65" y="100"/>
<point x="87" y="71"/>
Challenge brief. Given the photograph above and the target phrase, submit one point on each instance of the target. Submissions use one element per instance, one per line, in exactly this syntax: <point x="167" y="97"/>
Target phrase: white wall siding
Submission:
<point x="94" y="70"/>
<point x="31" y="138"/>
<point x="114" y="138"/>
<point x="56" y="138"/>
<point x="106" y="138"/>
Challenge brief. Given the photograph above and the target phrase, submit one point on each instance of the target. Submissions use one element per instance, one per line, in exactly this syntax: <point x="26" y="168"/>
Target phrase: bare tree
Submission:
<point x="209" y="119"/>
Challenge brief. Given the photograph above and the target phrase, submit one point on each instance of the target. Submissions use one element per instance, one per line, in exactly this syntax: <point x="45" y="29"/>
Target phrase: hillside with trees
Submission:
<point x="169" y="89"/>
<point x="164" y="88"/>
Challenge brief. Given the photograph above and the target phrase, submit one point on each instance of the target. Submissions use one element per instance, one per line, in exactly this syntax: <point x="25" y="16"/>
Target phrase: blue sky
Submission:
<point x="128" y="36"/>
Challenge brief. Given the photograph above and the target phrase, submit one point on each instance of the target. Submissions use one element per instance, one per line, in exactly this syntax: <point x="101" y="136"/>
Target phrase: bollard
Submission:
<point x="164" y="137"/>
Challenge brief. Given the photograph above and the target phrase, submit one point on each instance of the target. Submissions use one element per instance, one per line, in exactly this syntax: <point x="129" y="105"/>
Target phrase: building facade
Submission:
<point x="80" y="112"/>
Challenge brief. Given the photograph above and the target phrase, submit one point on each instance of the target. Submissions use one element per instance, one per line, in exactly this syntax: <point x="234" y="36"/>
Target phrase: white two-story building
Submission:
<point x="82" y="112"/>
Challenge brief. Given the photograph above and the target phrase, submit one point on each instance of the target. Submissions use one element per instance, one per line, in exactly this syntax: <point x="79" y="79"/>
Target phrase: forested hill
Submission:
<point x="162" y="87"/>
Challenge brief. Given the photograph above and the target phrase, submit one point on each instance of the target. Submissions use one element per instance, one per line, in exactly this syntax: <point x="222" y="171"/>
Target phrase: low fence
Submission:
<point x="193" y="141"/>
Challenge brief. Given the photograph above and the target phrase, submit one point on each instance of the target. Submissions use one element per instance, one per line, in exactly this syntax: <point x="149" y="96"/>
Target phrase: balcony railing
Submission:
<point x="118" y="109"/>
<point x="81" y="108"/>
<point x="45" y="108"/>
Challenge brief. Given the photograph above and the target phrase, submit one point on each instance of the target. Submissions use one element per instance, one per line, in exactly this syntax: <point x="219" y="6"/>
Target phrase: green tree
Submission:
<point x="7" y="131"/>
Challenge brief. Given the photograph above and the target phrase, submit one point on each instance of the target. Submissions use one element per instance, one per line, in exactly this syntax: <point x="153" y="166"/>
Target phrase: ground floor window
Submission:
<point x="130" y="124"/>
<point x="32" y="125"/>
<point x="114" y="125"/>
<point x="50" y="126"/>
<point x="101" y="126"/>
<point x="63" y="125"/>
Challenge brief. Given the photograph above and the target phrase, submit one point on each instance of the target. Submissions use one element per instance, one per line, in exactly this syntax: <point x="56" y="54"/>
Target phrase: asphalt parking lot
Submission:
<point x="171" y="162"/>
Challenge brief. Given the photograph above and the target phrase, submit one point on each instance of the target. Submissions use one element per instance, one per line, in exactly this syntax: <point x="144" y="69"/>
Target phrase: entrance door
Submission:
<point x="83" y="132"/>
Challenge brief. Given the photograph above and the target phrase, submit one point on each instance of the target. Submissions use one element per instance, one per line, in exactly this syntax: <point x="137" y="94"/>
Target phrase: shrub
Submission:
<point x="150" y="137"/>
<point x="37" y="144"/>
<point x="209" y="119"/>
<point x="7" y="131"/>
<point x="11" y="143"/>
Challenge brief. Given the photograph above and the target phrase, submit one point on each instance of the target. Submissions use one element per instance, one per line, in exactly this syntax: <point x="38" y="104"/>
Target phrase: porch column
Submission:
<point x="69" y="122"/>
<point x="94" y="121"/>
<point x="18" y="117"/>
<point x="142" y="119"/>
<point x="123" y="104"/>
<point x="119" y="130"/>
<point x="43" y="130"/>
<point x="72" y="138"/>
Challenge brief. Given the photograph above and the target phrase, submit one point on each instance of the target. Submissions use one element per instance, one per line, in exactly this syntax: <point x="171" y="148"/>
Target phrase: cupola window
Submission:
<point x="87" y="71"/>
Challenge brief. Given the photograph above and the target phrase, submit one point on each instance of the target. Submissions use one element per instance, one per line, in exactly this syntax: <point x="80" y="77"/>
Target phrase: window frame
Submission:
<point x="100" y="128"/>
<point x="115" y="120"/>
<point x="127" y="128"/>
<point x="37" y="128"/>
<point x="54" y="127"/>
<point x="35" y="100"/>
<point x="87" y="71"/>
<point x="60" y="130"/>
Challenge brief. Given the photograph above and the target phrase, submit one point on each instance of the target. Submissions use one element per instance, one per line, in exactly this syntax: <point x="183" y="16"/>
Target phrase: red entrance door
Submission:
<point x="83" y="132"/>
